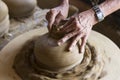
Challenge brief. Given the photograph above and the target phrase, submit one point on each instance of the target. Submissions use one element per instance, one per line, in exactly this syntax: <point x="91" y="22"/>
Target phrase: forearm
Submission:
<point x="107" y="7"/>
<point x="65" y="2"/>
<point x="110" y="6"/>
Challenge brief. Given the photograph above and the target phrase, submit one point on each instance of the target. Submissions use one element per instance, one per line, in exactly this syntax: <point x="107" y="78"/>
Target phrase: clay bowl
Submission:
<point x="20" y="8"/>
<point x="3" y="10"/>
<point x="54" y="57"/>
<point x="4" y="26"/>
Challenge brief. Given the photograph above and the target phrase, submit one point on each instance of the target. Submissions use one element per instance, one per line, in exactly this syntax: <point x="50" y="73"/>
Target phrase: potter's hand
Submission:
<point x="55" y="15"/>
<point x="78" y="27"/>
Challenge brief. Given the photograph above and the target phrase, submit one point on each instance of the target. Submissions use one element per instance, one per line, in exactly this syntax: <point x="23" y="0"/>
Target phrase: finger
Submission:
<point x="75" y="40"/>
<point x="51" y="18"/>
<point x="48" y="17"/>
<point x="58" y="18"/>
<point x="68" y="36"/>
<point x="79" y="45"/>
<point x="67" y="24"/>
<point x="67" y="30"/>
<point x="82" y="46"/>
<point x="72" y="26"/>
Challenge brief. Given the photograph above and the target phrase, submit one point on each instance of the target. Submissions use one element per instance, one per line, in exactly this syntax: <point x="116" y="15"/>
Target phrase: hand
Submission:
<point x="55" y="15"/>
<point x="78" y="27"/>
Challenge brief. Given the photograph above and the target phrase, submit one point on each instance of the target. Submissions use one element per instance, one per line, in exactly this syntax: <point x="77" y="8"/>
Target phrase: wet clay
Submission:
<point x="90" y="68"/>
<point x="55" y="58"/>
<point x="104" y="61"/>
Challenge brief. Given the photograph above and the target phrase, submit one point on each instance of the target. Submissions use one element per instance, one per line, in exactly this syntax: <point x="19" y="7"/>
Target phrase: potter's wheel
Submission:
<point x="101" y="43"/>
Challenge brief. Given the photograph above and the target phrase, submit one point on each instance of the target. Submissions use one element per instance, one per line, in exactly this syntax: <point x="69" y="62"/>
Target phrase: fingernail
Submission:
<point x="82" y="50"/>
<point x="70" y="49"/>
<point x="59" y="43"/>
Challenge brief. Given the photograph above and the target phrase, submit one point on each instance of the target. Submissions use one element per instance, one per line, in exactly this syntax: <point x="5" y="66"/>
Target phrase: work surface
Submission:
<point x="18" y="26"/>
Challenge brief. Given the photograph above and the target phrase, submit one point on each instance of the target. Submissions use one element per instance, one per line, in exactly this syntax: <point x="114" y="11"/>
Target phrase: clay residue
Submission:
<point x="89" y="69"/>
<point x="22" y="25"/>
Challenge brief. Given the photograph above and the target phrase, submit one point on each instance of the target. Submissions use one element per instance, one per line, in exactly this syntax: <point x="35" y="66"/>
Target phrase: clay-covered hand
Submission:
<point x="78" y="27"/>
<point x="55" y="15"/>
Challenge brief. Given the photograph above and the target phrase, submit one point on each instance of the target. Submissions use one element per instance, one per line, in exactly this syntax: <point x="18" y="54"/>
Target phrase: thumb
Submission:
<point x="50" y="18"/>
<point x="58" y="18"/>
<point x="82" y="47"/>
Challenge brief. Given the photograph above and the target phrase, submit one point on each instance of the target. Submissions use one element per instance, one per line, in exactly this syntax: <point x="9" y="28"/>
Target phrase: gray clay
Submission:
<point x="20" y="8"/>
<point x="4" y="19"/>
